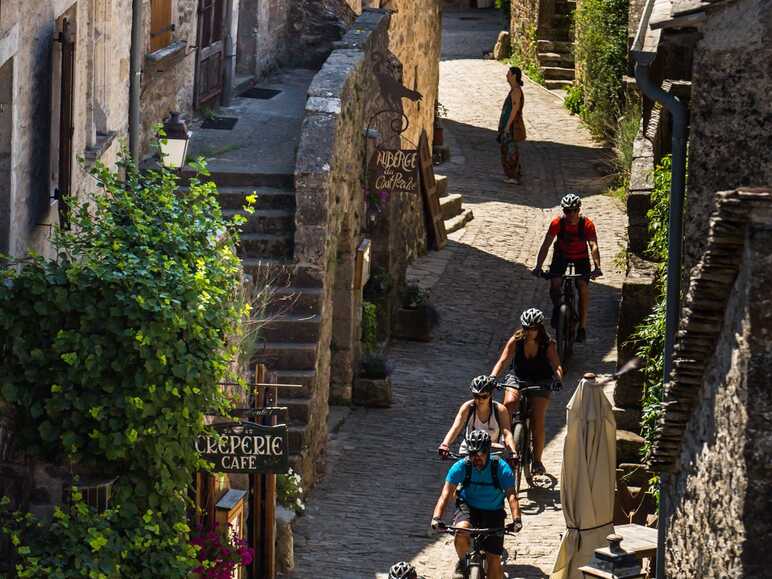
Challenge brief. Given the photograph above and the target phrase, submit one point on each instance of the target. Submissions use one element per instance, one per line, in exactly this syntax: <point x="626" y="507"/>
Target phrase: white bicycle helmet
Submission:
<point x="531" y="317"/>
<point x="402" y="570"/>
<point x="571" y="201"/>
<point x="478" y="441"/>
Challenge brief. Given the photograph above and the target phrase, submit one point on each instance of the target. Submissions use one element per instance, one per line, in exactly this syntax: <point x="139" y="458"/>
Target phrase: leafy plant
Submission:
<point x="289" y="491"/>
<point x="379" y="284"/>
<point x="601" y="57"/>
<point x="525" y="54"/>
<point x="626" y="131"/>
<point x="112" y="351"/>
<point x="369" y="327"/>
<point x="374" y="365"/>
<point x="220" y="552"/>
<point x="574" y="99"/>
<point x="413" y="296"/>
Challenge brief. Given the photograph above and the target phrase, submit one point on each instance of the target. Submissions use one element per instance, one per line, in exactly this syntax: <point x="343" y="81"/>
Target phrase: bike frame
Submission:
<point x="476" y="556"/>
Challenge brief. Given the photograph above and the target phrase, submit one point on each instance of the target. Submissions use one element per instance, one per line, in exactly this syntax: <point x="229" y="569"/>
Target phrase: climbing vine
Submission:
<point x="525" y="54"/>
<point x="111" y="353"/>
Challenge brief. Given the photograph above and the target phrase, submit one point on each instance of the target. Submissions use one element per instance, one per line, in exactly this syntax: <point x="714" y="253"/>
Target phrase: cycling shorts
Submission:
<point x="560" y="264"/>
<point x="481" y="519"/>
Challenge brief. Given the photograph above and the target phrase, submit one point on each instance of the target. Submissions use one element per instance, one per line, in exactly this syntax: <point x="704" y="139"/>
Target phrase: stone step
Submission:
<point x="278" y="245"/>
<point x="442" y="185"/>
<point x="298" y="409"/>
<point x="299" y="437"/>
<point x="304" y="378"/>
<point x="266" y="198"/>
<point x="239" y="179"/>
<point x="282" y="272"/>
<point x="629" y="445"/>
<point x="557" y="73"/>
<point x="555" y="46"/>
<point x="291" y="328"/>
<point x="558" y="84"/>
<point x="459" y="221"/>
<point x="295" y="300"/>
<point x="562" y="59"/>
<point x="451" y="205"/>
<point x="265" y="220"/>
<point x="287" y="355"/>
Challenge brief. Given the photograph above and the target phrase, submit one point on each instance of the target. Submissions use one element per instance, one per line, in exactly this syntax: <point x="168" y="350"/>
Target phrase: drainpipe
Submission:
<point x="644" y="56"/>
<point x="230" y="54"/>
<point x="135" y="78"/>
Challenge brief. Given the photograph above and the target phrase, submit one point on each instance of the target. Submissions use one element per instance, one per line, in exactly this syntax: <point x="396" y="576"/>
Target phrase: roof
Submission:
<point x="710" y="287"/>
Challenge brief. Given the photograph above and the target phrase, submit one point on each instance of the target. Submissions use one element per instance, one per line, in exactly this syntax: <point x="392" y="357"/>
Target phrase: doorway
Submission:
<point x="6" y="149"/>
<point x="211" y="52"/>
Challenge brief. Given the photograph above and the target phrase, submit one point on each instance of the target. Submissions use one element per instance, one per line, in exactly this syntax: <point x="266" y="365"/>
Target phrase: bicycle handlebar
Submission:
<point x="456" y="456"/>
<point x="442" y="527"/>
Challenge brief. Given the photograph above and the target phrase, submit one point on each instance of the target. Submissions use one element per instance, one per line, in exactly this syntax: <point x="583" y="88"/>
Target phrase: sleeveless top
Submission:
<point x="475" y="422"/>
<point x="536" y="368"/>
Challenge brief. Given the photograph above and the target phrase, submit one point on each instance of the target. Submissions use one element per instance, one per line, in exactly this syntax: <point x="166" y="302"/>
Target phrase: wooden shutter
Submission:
<point x="66" y="121"/>
<point x="160" y="24"/>
<point x="438" y="237"/>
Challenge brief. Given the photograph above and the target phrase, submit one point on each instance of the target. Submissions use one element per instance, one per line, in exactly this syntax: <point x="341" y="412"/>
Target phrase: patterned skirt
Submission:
<point x="510" y="159"/>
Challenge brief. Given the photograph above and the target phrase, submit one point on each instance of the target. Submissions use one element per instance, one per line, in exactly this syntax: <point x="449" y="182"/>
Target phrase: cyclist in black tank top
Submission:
<point x="530" y="354"/>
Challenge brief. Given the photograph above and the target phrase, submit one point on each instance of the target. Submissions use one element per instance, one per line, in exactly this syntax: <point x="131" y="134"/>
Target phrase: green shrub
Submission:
<point x="112" y="352"/>
<point x="574" y="99"/>
<point x="601" y="56"/>
<point x="623" y="139"/>
<point x="289" y="491"/>
<point x="369" y="327"/>
<point x="525" y="54"/>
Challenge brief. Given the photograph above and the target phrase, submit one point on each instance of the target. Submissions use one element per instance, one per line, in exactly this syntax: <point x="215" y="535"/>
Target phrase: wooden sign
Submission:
<point x="393" y="171"/>
<point x="362" y="265"/>
<point x="246" y="447"/>
<point x="438" y="237"/>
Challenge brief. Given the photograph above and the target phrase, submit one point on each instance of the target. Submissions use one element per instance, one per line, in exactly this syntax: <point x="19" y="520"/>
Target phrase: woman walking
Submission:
<point x="512" y="127"/>
<point x="530" y="354"/>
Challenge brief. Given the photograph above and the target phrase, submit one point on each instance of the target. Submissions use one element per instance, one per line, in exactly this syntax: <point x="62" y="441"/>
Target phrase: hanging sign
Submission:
<point x="393" y="171"/>
<point x="245" y="447"/>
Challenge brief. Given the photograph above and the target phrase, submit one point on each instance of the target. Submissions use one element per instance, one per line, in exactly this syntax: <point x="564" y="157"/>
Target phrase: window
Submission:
<point x="161" y="25"/>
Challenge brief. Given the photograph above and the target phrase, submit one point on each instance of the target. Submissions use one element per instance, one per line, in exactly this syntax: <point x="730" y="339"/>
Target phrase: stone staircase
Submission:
<point x="556" y="53"/>
<point x="451" y="205"/>
<point x="289" y="340"/>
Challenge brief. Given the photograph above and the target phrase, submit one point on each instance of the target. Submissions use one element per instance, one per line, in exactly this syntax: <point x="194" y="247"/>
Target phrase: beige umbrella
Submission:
<point x="587" y="478"/>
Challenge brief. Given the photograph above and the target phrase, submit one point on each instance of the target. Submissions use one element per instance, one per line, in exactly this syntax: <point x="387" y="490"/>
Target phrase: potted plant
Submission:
<point x="373" y="384"/>
<point x="416" y="317"/>
<point x="439" y="133"/>
<point x="220" y="552"/>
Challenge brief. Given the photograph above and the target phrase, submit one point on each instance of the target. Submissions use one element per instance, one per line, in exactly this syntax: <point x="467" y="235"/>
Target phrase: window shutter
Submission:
<point x="160" y="24"/>
<point x="66" y="122"/>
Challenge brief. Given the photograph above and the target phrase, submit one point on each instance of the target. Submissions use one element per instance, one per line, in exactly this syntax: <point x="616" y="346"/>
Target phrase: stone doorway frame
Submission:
<point x="7" y="140"/>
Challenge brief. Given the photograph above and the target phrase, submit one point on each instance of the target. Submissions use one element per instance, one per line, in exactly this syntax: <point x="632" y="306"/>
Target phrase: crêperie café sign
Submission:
<point x="245" y="447"/>
<point x="393" y="171"/>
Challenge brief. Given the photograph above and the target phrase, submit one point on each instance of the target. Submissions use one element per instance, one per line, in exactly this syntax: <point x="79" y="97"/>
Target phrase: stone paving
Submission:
<point x="383" y="477"/>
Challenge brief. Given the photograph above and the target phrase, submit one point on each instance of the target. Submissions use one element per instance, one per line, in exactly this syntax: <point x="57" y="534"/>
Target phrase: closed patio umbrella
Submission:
<point x="587" y="477"/>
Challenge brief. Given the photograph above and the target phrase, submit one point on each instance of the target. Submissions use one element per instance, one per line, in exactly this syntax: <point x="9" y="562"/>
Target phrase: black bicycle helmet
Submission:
<point x="571" y="201"/>
<point x="402" y="570"/>
<point x="478" y="441"/>
<point x="483" y="384"/>
<point x="532" y="317"/>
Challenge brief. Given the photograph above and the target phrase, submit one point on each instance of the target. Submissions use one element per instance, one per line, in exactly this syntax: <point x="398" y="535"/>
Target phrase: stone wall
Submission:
<point x="720" y="497"/>
<point x="525" y="19"/>
<point x="26" y="46"/>
<point x="730" y="110"/>
<point x="315" y="26"/>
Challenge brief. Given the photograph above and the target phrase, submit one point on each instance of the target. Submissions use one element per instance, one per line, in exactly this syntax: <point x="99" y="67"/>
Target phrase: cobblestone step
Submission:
<point x="459" y="221"/>
<point x="298" y="436"/>
<point x="291" y="328"/>
<point x="555" y="46"/>
<point x="231" y="198"/>
<point x="451" y="205"/>
<point x="295" y="300"/>
<point x="287" y="355"/>
<point x="562" y="59"/>
<point x="442" y="185"/>
<point x="277" y="245"/>
<point x="558" y="84"/>
<point x="243" y="179"/>
<point x="298" y="409"/>
<point x="265" y="220"/>
<point x="281" y="272"/>
<point x="304" y="378"/>
<point x="557" y="73"/>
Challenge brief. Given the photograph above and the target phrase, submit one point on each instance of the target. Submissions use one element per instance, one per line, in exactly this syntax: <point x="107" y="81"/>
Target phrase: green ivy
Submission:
<point x="601" y="56"/>
<point x="525" y="55"/>
<point x="112" y="352"/>
<point x="369" y="326"/>
<point x="649" y="336"/>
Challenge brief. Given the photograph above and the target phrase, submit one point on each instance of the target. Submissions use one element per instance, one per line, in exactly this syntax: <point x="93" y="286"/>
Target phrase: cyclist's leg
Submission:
<point x="495" y="570"/>
<point x="494" y="544"/>
<point x="512" y="401"/>
<point x="539" y="406"/>
<point x="557" y="269"/>
<point x="584" y="301"/>
<point x="462" y="518"/>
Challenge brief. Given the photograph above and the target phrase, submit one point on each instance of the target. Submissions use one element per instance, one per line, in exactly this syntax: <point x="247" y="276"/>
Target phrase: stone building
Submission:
<point x="713" y="443"/>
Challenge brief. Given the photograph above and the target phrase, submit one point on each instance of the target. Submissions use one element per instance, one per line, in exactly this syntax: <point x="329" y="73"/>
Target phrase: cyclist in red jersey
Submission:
<point x="574" y="233"/>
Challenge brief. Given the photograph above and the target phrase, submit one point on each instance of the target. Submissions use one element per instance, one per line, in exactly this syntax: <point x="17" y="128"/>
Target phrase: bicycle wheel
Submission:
<point x="518" y="434"/>
<point x="475" y="573"/>
<point x="525" y="467"/>
<point x="564" y="337"/>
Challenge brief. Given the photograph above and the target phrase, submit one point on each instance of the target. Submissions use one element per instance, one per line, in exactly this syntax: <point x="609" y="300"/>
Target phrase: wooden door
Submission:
<point x="211" y="51"/>
<point x="66" y="122"/>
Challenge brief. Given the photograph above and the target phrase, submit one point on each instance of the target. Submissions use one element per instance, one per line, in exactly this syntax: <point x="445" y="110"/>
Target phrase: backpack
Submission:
<point x="495" y="411"/>
<point x="494" y="474"/>
<point x="579" y="229"/>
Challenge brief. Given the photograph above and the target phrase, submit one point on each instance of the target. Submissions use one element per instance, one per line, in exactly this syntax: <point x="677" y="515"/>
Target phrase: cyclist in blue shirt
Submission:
<point x="480" y="484"/>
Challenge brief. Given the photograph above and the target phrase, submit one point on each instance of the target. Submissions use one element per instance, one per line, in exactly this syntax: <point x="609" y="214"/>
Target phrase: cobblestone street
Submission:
<point x="383" y="477"/>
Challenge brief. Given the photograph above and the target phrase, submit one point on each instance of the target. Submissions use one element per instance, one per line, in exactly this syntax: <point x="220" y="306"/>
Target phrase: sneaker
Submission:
<point x="459" y="571"/>
<point x="581" y="335"/>
<point x="537" y="468"/>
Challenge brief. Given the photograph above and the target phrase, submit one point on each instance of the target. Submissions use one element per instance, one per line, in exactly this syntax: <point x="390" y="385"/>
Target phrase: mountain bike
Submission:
<point x="521" y="427"/>
<point x="475" y="561"/>
<point x="568" y="313"/>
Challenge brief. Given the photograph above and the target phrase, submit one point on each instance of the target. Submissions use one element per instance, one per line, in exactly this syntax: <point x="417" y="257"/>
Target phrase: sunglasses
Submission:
<point x="570" y="211"/>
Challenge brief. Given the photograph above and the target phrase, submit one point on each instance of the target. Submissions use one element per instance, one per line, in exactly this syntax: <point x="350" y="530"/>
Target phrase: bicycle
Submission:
<point x="521" y="428"/>
<point x="568" y="313"/>
<point x="475" y="562"/>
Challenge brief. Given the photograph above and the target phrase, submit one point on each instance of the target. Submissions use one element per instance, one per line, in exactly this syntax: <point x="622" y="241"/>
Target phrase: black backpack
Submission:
<point x="494" y="474"/>
<point x="579" y="229"/>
